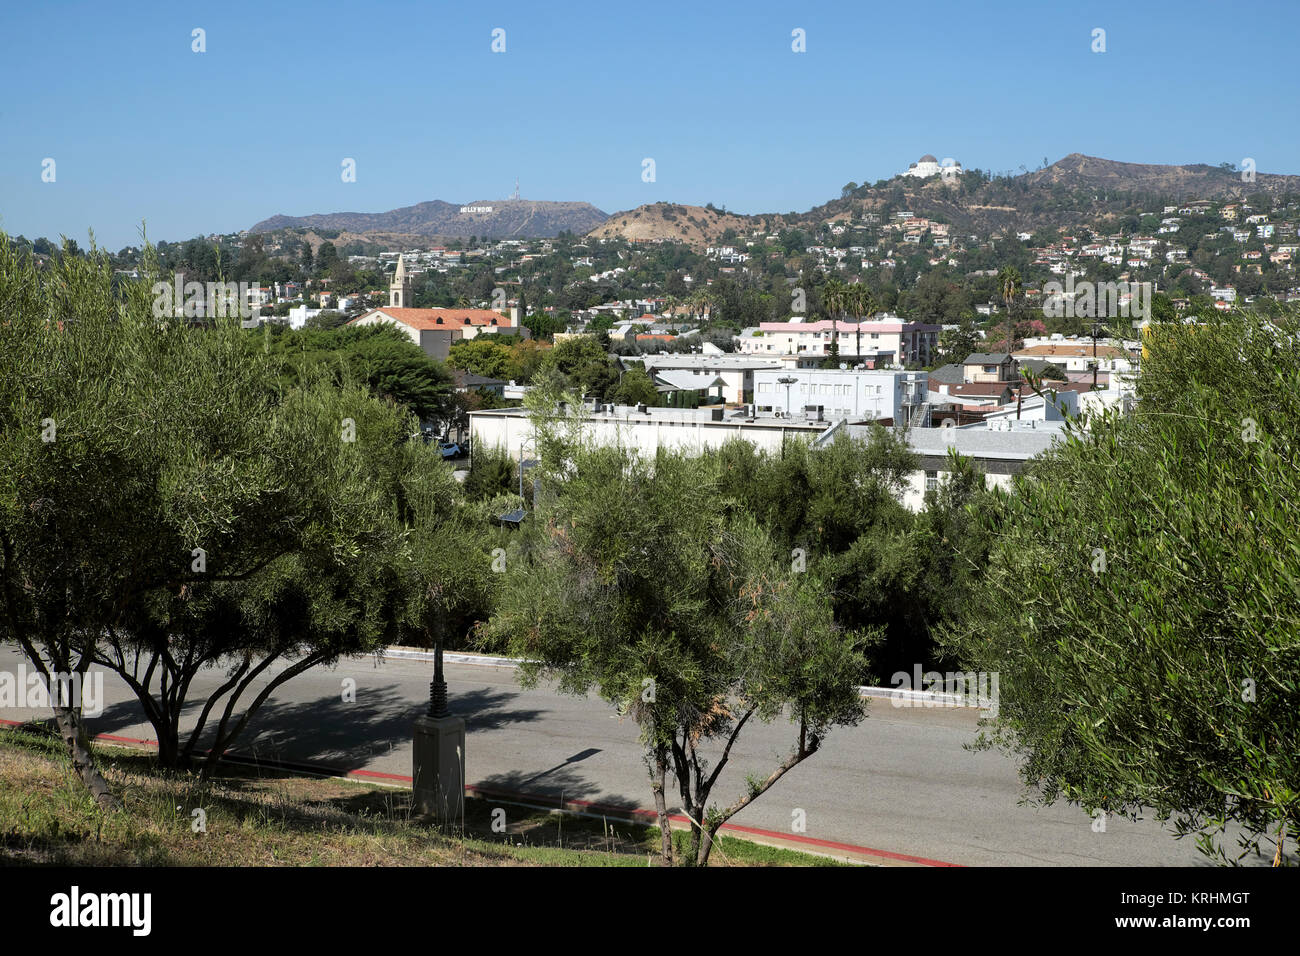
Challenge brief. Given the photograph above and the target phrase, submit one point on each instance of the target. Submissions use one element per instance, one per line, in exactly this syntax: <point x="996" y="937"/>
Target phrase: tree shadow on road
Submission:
<point x="348" y="735"/>
<point x="553" y="786"/>
<point x="341" y="734"/>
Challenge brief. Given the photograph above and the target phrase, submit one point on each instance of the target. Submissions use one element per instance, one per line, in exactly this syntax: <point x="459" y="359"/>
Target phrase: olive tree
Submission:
<point x="168" y="504"/>
<point x="1141" y="603"/>
<point x="634" y="582"/>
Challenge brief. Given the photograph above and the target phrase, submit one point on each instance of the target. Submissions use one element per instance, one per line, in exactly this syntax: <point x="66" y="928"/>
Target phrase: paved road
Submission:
<point x="901" y="781"/>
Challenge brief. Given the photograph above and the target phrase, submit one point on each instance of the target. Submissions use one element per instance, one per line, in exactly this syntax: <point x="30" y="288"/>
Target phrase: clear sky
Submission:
<point x="142" y="128"/>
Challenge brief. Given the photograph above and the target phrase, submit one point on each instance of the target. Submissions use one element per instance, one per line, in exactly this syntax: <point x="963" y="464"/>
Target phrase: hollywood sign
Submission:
<point x="475" y="209"/>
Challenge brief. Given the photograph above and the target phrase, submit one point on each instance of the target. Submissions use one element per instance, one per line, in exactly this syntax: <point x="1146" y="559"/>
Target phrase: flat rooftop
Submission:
<point x="979" y="441"/>
<point x="731" y="417"/>
<point x="731" y="361"/>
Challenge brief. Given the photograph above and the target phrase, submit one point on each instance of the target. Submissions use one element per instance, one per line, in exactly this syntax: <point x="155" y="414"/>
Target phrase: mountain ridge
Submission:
<point x="493" y="218"/>
<point x="1076" y="189"/>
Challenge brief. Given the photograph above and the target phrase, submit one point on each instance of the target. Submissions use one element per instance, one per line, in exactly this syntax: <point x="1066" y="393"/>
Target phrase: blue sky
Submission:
<point x="142" y="128"/>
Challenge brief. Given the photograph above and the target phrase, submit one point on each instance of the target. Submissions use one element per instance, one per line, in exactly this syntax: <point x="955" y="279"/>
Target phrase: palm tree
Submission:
<point x="861" y="302"/>
<point x="1009" y="286"/>
<point x="701" y="300"/>
<point x="671" y="302"/>
<point x="835" y="296"/>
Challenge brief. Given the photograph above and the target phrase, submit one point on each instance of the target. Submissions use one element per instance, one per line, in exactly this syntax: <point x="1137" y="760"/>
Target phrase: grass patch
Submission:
<point x="258" y="817"/>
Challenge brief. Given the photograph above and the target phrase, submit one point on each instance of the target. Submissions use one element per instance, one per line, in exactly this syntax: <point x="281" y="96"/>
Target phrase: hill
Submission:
<point x="1197" y="181"/>
<point x="495" y="218"/>
<point x="696" y="225"/>
<point x="1078" y="190"/>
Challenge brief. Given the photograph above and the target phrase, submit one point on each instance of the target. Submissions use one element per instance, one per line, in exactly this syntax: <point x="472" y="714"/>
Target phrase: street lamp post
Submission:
<point x="438" y="686"/>
<point x="787" y="381"/>
<point x="1095" y="327"/>
<point x="438" y="754"/>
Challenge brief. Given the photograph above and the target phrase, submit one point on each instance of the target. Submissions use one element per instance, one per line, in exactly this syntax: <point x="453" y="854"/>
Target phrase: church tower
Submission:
<point x="399" y="290"/>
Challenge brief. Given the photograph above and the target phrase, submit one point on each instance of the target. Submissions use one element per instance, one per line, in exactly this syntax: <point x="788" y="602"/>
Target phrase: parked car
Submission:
<point x="449" y="449"/>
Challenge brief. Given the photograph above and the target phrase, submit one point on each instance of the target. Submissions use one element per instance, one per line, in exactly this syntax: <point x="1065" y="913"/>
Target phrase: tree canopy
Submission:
<point x="1141" y="603"/>
<point x="637" y="584"/>
<point x="171" y="499"/>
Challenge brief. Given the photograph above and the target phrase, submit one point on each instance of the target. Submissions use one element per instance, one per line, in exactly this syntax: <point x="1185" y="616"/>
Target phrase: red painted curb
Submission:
<point x="651" y="815"/>
<point x="588" y="806"/>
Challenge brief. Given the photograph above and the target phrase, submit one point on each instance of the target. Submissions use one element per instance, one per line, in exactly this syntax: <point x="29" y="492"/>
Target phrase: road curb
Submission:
<point x="926" y="698"/>
<point x="449" y="657"/>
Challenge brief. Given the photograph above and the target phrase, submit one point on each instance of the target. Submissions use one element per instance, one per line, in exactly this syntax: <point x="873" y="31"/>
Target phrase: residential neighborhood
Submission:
<point x="835" y="442"/>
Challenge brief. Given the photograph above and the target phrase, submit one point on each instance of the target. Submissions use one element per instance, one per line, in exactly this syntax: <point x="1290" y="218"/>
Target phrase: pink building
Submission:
<point x="876" y="342"/>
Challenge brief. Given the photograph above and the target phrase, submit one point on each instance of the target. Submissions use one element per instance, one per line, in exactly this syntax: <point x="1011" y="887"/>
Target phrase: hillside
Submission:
<point x="1077" y="190"/>
<point x="496" y="218"/>
<point x="697" y="226"/>
<point x="1197" y="181"/>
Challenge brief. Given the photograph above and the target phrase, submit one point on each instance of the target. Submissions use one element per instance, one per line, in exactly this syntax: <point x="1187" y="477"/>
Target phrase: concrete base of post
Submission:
<point x="438" y="780"/>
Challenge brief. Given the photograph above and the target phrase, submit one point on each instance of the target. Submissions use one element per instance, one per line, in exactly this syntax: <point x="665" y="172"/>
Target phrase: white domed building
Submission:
<point x="928" y="166"/>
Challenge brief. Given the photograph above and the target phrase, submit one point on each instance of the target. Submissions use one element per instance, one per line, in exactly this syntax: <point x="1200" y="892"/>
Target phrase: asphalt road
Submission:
<point x="901" y="781"/>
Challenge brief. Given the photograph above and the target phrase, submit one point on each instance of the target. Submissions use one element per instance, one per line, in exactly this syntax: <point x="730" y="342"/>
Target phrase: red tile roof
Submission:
<point x="442" y="318"/>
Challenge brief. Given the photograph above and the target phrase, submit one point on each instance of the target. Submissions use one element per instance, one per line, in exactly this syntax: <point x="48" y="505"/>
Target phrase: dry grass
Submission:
<point x="254" y="817"/>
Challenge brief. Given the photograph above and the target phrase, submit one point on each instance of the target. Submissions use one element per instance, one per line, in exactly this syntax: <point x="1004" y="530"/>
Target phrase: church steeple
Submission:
<point x="399" y="290"/>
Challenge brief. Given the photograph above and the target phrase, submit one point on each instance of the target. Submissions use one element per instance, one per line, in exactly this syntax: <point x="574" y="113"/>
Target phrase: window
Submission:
<point x="931" y="480"/>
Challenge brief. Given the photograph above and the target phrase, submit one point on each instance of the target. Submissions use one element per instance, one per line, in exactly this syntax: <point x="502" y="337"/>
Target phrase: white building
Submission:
<point x="258" y="296"/>
<point x="644" y="429"/>
<point x="1000" y="449"/>
<point x="299" y="315"/>
<point x="735" y="371"/>
<point x="853" y="394"/>
<point x="1078" y="356"/>
<point x="928" y="166"/>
